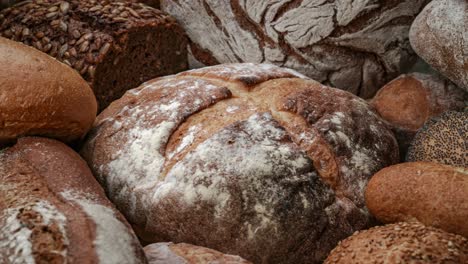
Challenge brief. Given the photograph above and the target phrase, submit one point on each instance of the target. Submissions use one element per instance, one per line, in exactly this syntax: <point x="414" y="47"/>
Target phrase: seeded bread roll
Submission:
<point x="434" y="194"/>
<point x="114" y="45"/>
<point x="170" y="253"/>
<point x="41" y="96"/>
<point x="412" y="99"/>
<point x="52" y="210"/>
<point x="248" y="159"/>
<point x="439" y="35"/>
<point x="409" y="243"/>
<point x="356" y="45"/>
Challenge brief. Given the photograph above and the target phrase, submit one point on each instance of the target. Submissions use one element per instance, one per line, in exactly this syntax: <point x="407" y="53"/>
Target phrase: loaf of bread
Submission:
<point x="248" y="159"/>
<point x="439" y="35"/>
<point x="170" y="253"/>
<point x="432" y="193"/>
<point x="443" y="139"/>
<point x="411" y="99"/>
<point x="41" y="96"/>
<point x="114" y="45"/>
<point x="355" y="45"/>
<point x="52" y="210"/>
<point x="409" y="243"/>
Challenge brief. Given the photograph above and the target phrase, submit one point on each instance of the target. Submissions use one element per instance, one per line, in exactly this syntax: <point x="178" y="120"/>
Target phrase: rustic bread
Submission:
<point x="41" y="96"/>
<point x="439" y="35"/>
<point x="411" y="99"/>
<point x="248" y="159"/>
<point x="356" y="45"/>
<point x="170" y="253"/>
<point x="409" y="243"/>
<point x="52" y="210"/>
<point x="114" y="45"/>
<point x="443" y="139"/>
<point x="434" y="194"/>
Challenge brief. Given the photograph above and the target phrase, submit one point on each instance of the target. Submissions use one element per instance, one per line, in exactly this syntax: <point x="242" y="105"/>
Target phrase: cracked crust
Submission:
<point x="264" y="163"/>
<point x="356" y="46"/>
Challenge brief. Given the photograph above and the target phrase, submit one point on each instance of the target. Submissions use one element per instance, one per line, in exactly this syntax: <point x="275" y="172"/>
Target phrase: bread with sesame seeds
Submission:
<point x="248" y="159"/>
<point x="114" y="45"/>
<point x="409" y="243"/>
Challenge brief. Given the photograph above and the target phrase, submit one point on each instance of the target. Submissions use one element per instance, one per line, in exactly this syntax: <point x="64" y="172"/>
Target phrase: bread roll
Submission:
<point x="169" y="253"/>
<point x="439" y="35"/>
<point x="248" y="159"/>
<point x="443" y="139"/>
<point x="409" y="243"/>
<point x="434" y="194"/>
<point x="40" y="96"/>
<point x="411" y="99"/>
<point x="356" y="46"/>
<point x="114" y="45"/>
<point x="52" y="210"/>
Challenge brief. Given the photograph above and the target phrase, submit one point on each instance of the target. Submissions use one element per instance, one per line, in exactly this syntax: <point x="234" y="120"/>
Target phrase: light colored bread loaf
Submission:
<point x="52" y="210"/>
<point x="41" y="96"/>
<point x="356" y="46"/>
<point x="411" y="99"/>
<point x="170" y="253"/>
<point x="409" y="243"/>
<point x="439" y="35"/>
<point x="248" y="159"/>
<point x="434" y="194"/>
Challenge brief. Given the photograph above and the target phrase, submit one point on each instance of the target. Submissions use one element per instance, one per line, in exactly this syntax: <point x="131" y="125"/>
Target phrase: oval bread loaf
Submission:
<point x="248" y="159"/>
<point x="41" y="96"/>
<point x="52" y="210"/>
<point x="434" y="194"/>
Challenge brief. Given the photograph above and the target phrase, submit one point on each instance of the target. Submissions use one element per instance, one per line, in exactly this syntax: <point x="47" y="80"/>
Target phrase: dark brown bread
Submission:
<point x="114" y="45"/>
<point x="248" y="159"/>
<point x="170" y="253"/>
<point x="409" y="243"/>
<point x="41" y="96"/>
<point x="434" y="194"/>
<point x="152" y="3"/>
<point x="52" y="210"/>
<point x="410" y="100"/>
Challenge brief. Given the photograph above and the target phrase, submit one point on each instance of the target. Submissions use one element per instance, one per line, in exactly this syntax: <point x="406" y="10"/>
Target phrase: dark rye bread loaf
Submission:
<point x="356" y="45"/>
<point x="248" y="159"/>
<point x="52" y="210"/>
<point x="114" y="45"/>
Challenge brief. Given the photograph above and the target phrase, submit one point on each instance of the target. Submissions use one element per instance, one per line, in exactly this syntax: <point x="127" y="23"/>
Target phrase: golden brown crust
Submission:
<point x="432" y="193"/>
<point x="41" y="96"/>
<point x="410" y="243"/>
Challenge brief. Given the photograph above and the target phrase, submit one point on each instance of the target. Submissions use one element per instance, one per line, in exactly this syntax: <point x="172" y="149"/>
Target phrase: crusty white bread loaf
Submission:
<point x="52" y="210"/>
<point x="248" y="159"/>
<point x="439" y="35"/>
<point x="410" y="100"/>
<point x="409" y="243"/>
<point x="434" y="194"/>
<point x="170" y="253"/>
<point x="354" y="45"/>
<point x="41" y="96"/>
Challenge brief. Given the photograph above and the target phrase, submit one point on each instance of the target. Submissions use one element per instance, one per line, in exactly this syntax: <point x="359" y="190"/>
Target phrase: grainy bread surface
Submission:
<point x="354" y="45"/>
<point x="434" y="194"/>
<point x="248" y="159"/>
<point x="41" y="96"/>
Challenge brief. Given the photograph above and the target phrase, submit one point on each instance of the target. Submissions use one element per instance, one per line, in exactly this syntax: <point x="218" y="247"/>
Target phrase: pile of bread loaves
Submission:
<point x="113" y="151"/>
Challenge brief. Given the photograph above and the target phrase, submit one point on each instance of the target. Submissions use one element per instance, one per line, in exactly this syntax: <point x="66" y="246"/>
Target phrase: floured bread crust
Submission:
<point x="248" y="159"/>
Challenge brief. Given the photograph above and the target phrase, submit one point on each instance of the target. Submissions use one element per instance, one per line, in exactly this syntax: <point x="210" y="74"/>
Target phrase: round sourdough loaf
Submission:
<point x="407" y="102"/>
<point x="52" y="210"/>
<point x="41" y="96"/>
<point x="170" y="253"/>
<point x="409" y="243"/>
<point x="355" y="45"/>
<point x="407" y="191"/>
<point x="248" y="159"/>
<point x="439" y="35"/>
